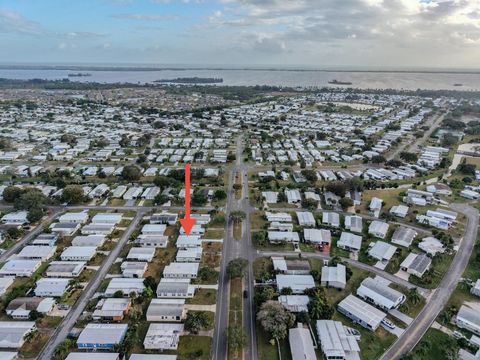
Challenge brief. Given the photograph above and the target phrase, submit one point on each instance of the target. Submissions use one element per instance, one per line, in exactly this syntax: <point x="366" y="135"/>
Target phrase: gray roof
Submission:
<point x="102" y="334"/>
<point x="361" y="310"/>
<point x="301" y="344"/>
<point x="379" y="288"/>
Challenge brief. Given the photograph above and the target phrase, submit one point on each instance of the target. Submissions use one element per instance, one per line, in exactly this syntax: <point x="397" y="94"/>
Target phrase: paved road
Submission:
<point x="431" y="122"/>
<point x="437" y="302"/>
<point x="233" y="249"/>
<point x="30" y="236"/>
<point x="221" y="313"/>
<point x="248" y="252"/>
<point x="69" y="321"/>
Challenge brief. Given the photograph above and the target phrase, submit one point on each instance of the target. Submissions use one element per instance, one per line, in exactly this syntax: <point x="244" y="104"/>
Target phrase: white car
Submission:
<point x="388" y="324"/>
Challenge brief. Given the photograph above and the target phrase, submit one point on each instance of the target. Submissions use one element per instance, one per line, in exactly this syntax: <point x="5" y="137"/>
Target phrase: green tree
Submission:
<point x="236" y="267"/>
<point x="11" y="193"/>
<point x="73" y="195"/>
<point x="131" y="173"/>
<point x="160" y="199"/>
<point x="414" y="296"/>
<point x="199" y="198"/>
<point x="237" y="216"/>
<point x="345" y="203"/>
<point x="275" y="320"/>
<point x="34" y="215"/>
<point x="196" y="321"/>
<point x="148" y="293"/>
<point x="63" y="349"/>
<point x="264" y="294"/>
<point x="219" y="194"/>
<point x="408" y="156"/>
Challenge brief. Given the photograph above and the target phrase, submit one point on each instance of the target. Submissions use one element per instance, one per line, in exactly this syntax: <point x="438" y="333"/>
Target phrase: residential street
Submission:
<point x="69" y="321"/>
<point x="435" y="304"/>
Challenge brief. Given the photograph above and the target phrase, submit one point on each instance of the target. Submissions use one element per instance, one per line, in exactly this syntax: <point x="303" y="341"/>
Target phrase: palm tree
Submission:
<point x="414" y="296"/>
<point x="237" y="216"/>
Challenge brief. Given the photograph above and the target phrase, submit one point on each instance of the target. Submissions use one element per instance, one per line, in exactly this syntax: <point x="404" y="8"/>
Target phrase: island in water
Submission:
<point x="336" y="82"/>
<point x="191" y="80"/>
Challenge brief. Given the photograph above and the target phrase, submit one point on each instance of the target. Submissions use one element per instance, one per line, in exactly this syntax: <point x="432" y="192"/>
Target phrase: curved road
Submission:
<point x="435" y="304"/>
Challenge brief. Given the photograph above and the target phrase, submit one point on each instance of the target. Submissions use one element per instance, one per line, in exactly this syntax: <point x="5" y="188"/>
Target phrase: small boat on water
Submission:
<point x="336" y="82"/>
<point x="458" y="84"/>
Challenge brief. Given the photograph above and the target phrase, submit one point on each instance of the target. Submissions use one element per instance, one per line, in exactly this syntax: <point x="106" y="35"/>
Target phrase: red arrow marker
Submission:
<point x="187" y="222"/>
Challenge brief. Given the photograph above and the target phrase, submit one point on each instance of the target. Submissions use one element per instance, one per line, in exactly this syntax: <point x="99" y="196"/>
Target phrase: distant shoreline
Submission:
<point x="213" y="68"/>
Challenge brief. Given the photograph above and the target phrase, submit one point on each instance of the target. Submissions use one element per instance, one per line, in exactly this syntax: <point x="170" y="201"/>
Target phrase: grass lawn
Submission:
<point x="211" y="254"/>
<point x="97" y="260"/>
<point x="194" y="348"/>
<point x="32" y="348"/>
<point x="336" y="251"/>
<point x="116" y="202"/>
<point x="261" y="267"/>
<point x="203" y="297"/>
<point x="218" y="220"/>
<point x="334" y="296"/>
<point x="214" y="234"/>
<point x="258" y="220"/>
<point x="237" y="230"/>
<point x="71" y="297"/>
<point x="372" y="344"/>
<point x="390" y="198"/>
<point x="86" y="275"/>
<point x="115" y="268"/>
<point x="210" y="316"/>
<point x="408" y="307"/>
<point x="49" y="321"/>
<point x="162" y="258"/>
<point x="267" y="351"/>
<point x="435" y="345"/>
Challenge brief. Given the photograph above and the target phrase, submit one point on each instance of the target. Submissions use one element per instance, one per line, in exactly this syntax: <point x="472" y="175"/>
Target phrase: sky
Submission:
<point x="309" y="33"/>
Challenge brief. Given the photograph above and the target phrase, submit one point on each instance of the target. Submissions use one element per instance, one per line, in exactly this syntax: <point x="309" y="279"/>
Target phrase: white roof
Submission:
<point x="102" y="334"/>
<point x="361" y="310"/>
<point x="301" y="344"/>
<point x="382" y="250"/>
<point x="295" y="282"/>
<point x="334" y="274"/>
<point x="378" y="290"/>
<point x="350" y="240"/>
<point x="79" y="251"/>
<point x="74" y="216"/>
<point x="335" y="341"/>
<point x="107" y="218"/>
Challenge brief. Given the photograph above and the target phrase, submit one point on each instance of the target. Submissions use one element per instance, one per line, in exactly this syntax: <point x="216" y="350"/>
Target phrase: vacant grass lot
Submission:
<point x="203" y="297"/>
<point x="269" y="351"/>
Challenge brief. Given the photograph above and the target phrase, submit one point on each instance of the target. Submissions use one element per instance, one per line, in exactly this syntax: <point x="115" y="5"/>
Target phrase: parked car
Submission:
<point x="388" y="324"/>
<point x="245" y="294"/>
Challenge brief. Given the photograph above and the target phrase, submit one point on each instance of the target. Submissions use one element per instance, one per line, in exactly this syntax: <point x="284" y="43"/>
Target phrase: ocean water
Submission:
<point x="293" y="78"/>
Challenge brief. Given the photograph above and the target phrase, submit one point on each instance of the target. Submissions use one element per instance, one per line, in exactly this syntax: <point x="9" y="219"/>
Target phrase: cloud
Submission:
<point x="83" y="34"/>
<point x="144" y="17"/>
<point x="13" y="22"/>
<point x="331" y="21"/>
